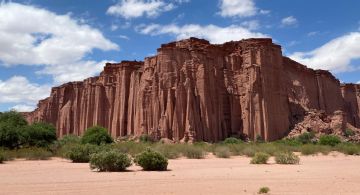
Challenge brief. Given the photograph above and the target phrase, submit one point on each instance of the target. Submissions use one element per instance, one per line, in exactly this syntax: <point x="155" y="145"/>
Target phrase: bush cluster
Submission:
<point x="260" y="158"/>
<point x="330" y="140"/>
<point x="16" y="133"/>
<point x="81" y="153"/>
<point x="96" y="135"/>
<point x="110" y="161"/>
<point x="286" y="158"/>
<point x="151" y="160"/>
<point x="2" y="157"/>
<point x="222" y="152"/>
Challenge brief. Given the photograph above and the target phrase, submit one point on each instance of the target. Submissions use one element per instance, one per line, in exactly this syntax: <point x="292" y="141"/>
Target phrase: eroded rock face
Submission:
<point x="193" y="90"/>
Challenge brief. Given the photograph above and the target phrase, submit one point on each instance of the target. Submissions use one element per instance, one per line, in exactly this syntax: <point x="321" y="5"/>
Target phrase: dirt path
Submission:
<point x="332" y="174"/>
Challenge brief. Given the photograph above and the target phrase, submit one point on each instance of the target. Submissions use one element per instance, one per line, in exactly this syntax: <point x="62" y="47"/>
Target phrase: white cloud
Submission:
<point x="124" y="37"/>
<point x="114" y="27"/>
<point x="213" y="33"/>
<point x="313" y="33"/>
<point x="31" y="35"/>
<point x="18" y="89"/>
<point x="336" y="55"/>
<point x="238" y="8"/>
<point x="23" y="108"/>
<point x="35" y="36"/>
<point x="289" y="21"/>
<point x="358" y="82"/>
<point x="138" y="8"/>
<point x="74" y="72"/>
<point x="251" y="25"/>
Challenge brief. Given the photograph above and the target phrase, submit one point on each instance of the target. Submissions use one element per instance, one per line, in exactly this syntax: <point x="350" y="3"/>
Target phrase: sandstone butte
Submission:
<point x="196" y="91"/>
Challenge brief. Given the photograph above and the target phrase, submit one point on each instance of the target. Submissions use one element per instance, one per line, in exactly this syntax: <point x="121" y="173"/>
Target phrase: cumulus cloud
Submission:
<point x="238" y="8"/>
<point x="18" y="89"/>
<point x="137" y="8"/>
<point x="336" y="55"/>
<point x="213" y="33"/>
<point x="48" y="40"/>
<point x="23" y="108"/>
<point x="289" y="21"/>
<point x="74" y="72"/>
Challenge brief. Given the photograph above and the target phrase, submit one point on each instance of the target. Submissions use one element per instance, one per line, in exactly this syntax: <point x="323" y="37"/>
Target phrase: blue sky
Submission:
<point x="44" y="43"/>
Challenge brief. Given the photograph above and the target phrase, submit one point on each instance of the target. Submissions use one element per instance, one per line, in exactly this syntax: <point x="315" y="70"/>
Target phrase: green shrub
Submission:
<point x="349" y="133"/>
<point x="264" y="190"/>
<point x="146" y="138"/>
<point x="39" y="135"/>
<point x="306" y="137"/>
<point x="13" y="118"/>
<point x="330" y="140"/>
<point x="193" y="152"/>
<point x="289" y="142"/>
<point x="259" y="139"/>
<point x="222" y="152"/>
<point x="31" y="153"/>
<point x="96" y="135"/>
<point x="232" y="140"/>
<point x="348" y="148"/>
<point x="170" y="151"/>
<point x="260" y="158"/>
<point x="309" y="149"/>
<point x="110" y="161"/>
<point x="249" y="150"/>
<point x="81" y="153"/>
<point x="151" y="160"/>
<point x="2" y="157"/>
<point x="286" y="158"/>
<point x="131" y="147"/>
<point x="11" y="136"/>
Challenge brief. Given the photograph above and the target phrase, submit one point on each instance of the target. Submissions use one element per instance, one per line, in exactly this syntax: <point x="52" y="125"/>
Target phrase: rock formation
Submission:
<point x="194" y="90"/>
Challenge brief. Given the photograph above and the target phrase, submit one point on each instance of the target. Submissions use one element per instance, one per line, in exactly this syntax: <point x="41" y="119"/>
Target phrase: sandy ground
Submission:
<point x="332" y="174"/>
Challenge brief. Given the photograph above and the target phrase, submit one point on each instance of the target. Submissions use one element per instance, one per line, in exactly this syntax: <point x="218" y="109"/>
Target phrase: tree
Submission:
<point x="96" y="135"/>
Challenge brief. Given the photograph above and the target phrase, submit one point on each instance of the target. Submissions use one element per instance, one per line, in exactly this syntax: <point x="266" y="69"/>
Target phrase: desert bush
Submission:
<point x="259" y="139"/>
<point x="81" y="153"/>
<point x="131" y="147"/>
<point x="110" y="161"/>
<point x="11" y="128"/>
<point x="96" y="135"/>
<point x="193" y="152"/>
<point x="348" y="148"/>
<point x="232" y="140"/>
<point x="170" y="151"/>
<point x="286" y="158"/>
<point x="249" y="150"/>
<point x="2" y="157"/>
<point x="264" y="190"/>
<point x="289" y="142"/>
<point x="309" y="149"/>
<point x="146" y="138"/>
<point x="236" y="149"/>
<point x="349" y="133"/>
<point x="330" y="140"/>
<point x="39" y="135"/>
<point x="11" y="136"/>
<point x="151" y="160"/>
<point x="13" y="118"/>
<point x="222" y="152"/>
<point x="32" y="153"/>
<point x="260" y="158"/>
<point x="306" y="137"/>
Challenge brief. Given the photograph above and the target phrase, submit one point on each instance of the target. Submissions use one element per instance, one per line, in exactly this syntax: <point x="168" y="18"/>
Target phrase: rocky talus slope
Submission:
<point x="194" y="90"/>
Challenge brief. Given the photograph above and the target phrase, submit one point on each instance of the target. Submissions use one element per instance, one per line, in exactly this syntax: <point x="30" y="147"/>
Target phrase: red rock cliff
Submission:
<point x="193" y="90"/>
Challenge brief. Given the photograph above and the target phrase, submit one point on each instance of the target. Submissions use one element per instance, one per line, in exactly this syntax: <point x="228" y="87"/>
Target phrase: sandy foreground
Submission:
<point x="332" y="174"/>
